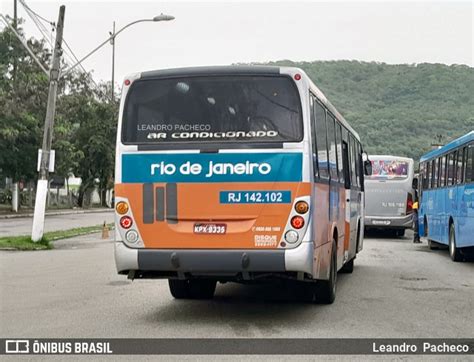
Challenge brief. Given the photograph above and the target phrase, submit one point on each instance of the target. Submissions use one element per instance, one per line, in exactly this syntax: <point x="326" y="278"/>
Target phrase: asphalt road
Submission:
<point x="398" y="289"/>
<point x="22" y="225"/>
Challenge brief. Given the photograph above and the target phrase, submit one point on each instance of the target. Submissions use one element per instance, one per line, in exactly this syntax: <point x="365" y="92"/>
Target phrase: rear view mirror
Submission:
<point x="414" y="183"/>
<point x="367" y="168"/>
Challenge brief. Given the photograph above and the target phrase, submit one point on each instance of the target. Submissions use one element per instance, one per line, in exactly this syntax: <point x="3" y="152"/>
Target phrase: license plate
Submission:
<point x="381" y="222"/>
<point x="210" y="228"/>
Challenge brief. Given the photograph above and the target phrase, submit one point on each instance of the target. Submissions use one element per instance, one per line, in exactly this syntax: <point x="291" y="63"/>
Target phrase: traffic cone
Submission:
<point x="105" y="231"/>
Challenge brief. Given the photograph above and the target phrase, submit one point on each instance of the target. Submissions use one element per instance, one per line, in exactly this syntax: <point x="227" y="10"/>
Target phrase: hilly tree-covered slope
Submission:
<point x="398" y="109"/>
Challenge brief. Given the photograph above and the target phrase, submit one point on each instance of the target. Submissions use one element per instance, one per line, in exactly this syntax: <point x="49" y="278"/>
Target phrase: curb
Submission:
<point x="56" y="213"/>
<point x="112" y="228"/>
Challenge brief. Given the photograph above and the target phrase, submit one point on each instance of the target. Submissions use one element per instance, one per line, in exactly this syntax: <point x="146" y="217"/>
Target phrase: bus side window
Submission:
<point x="427" y="175"/>
<point x="423" y="175"/>
<point x="361" y="169"/>
<point x="339" y="152"/>
<point x="332" y="147"/>
<point x="314" y="148"/>
<point x="346" y="165"/>
<point x="445" y="170"/>
<point x="460" y="168"/>
<point x="470" y="164"/>
<point x="345" y="139"/>
<point x="435" y="172"/>
<point x="321" y="141"/>
<point x="353" y="161"/>
<point x="358" y="154"/>
<point x="442" y="171"/>
<point x="450" y="168"/>
<point x="454" y="167"/>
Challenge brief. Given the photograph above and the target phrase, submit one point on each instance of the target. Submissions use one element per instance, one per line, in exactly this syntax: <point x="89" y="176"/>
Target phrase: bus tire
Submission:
<point x="400" y="232"/>
<point x="348" y="267"/>
<point x="432" y="245"/>
<point x="454" y="251"/>
<point x="326" y="289"/>
<point x="425" y="227"/>
<point x="179" y="289"/>
<point x="192" y="289"/>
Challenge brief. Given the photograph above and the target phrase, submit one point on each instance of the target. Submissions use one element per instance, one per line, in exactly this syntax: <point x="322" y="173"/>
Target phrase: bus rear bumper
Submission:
<point x="163" y="263"/>
<point x="388" y="222"/>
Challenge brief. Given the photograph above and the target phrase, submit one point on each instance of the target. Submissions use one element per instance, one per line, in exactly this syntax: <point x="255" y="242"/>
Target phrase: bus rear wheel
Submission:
<point x="348" y="266"/>
<point x="192" y="289"/>
<point x="454" y="251"/>
<point x="325" y="290"/>
<point x="400" y="232"/>
<point x="433" y="245"/>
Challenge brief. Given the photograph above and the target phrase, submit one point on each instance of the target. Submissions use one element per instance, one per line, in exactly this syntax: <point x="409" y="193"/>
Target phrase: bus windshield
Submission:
<point x="389" y="169"/>
<point x="213" y="109"/>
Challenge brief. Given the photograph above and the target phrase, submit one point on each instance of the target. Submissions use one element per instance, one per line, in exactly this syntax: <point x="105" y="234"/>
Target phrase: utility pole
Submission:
<point x="112" y="41"/>
<point x="15" y="26"/>
<point x="42" y="188"/>
<point x="15" y="191"/>
<point x="15" y="13"/>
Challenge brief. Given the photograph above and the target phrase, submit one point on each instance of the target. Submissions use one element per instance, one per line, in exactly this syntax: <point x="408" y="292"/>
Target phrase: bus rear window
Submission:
<point x="389" y="169"/>
<point x="250" y="109"/>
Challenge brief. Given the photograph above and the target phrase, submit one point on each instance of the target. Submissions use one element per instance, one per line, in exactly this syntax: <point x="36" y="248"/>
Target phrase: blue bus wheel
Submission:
<point x="454" y="251"/>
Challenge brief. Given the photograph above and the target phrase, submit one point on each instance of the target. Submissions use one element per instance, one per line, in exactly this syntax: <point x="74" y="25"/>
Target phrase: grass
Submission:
<point x="25" y="242"/>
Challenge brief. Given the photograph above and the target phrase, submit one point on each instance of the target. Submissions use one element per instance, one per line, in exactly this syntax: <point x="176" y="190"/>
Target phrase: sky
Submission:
<point x="220" y="33"/>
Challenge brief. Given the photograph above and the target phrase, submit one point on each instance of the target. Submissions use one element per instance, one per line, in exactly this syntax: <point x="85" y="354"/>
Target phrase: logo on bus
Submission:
<point x="188" y="168"/>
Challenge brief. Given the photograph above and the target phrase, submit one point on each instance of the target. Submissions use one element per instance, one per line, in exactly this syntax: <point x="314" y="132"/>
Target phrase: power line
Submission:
<point x="34" y="12"/>
<point x="80" y="65"/>
<point x="69" y="53"/>
<point x="41" y="28"/>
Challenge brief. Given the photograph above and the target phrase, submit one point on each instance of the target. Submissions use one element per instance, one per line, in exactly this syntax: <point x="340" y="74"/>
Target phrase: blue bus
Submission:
<point x="447" y="196"/>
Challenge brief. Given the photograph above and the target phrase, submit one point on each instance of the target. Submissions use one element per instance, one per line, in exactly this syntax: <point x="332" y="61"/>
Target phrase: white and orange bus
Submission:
<point x="235" y="173"/>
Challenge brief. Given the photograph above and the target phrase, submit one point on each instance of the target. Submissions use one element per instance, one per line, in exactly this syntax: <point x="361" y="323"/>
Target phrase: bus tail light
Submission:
<point x="126" y="222"/>
<point x="301" y="207"/>
<point x="291" y="236"/>
<point x="409" y="204"/>
<point x="122" y="207"/>
<point x="297" y="222"/>
<point x="132" y="236"/>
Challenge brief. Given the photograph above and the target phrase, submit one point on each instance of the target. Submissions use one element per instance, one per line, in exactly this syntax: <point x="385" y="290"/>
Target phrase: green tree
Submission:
<point x="85" y="122"/>
<point x="94" y="120"/>
<point x="23" y="94"/>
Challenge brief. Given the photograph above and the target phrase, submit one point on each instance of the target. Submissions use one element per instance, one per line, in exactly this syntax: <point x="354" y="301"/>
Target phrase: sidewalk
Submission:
<point x="58" y="212"/>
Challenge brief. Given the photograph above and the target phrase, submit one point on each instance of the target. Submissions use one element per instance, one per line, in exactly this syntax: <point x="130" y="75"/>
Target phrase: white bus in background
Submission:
<point x="389" y="194"/>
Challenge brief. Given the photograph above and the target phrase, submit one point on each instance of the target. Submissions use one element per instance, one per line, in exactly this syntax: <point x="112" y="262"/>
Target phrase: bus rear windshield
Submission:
<point x="389" y="169"/>
<point x="249" y="109"/>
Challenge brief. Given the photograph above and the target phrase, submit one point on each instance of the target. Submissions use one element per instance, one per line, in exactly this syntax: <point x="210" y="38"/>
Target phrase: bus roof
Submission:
<point x="248" y="69"/>
<point x="212" y="70"/>
<point x="449" y="146"/>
